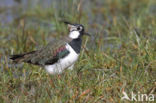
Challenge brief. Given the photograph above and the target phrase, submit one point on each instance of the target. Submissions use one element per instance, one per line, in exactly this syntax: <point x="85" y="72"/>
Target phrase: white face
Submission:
<point x="74" y="34"/>
<point x="74" y="31"/>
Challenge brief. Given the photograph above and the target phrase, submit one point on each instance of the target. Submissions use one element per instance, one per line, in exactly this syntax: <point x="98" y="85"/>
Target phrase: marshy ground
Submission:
<point x="120" y="55"/>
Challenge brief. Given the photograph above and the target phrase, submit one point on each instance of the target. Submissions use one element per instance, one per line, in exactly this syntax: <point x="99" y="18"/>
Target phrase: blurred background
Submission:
<point x="120" y="55"/>
<point x="104" y="17"/>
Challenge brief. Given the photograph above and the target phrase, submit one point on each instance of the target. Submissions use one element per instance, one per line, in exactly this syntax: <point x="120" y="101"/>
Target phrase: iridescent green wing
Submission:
<point x="49" y="54"/>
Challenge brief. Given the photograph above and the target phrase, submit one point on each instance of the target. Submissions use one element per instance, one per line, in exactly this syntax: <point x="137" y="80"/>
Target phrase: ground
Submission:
<point x="119" y="57"/>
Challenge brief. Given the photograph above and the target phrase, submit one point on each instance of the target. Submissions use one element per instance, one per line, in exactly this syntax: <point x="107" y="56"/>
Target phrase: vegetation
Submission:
<point x="120" y="55"/>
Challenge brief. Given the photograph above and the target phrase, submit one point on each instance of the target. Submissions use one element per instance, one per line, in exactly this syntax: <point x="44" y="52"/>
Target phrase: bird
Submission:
<point x="57" y="55"/>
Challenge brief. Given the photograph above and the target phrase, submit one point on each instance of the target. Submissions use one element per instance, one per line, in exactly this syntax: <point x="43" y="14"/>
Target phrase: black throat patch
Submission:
<point x="76" y="44"/>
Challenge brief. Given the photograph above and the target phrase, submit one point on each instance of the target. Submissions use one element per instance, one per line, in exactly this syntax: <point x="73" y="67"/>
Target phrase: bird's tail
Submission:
<point x="16" y="58"/>
<point x="20" y="57"/>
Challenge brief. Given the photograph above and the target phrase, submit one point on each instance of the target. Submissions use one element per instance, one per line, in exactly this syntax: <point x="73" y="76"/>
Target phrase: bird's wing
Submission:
<point x="46" y="55"/>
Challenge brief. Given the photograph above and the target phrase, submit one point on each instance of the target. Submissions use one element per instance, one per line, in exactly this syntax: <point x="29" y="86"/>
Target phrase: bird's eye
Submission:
<point x="78" y="28"/>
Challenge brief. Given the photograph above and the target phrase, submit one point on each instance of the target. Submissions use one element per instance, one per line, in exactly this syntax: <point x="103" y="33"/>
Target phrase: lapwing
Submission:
<point x="58" y="54"/>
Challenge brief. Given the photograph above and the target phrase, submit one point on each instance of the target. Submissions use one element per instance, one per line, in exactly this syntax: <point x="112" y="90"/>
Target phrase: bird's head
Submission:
<point x="76" y="30"/>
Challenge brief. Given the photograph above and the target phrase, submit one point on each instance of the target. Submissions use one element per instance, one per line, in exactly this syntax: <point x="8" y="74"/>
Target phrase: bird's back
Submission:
<point x="45" y="55"/>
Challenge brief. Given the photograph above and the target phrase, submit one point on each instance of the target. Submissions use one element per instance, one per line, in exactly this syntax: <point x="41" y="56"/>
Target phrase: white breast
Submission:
<point x="63" y="63"/>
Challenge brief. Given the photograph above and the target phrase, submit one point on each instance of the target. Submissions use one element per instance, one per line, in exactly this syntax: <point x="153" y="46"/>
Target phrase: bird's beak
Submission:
<point x="70" y="25"/>
<point x="85" y="33"/>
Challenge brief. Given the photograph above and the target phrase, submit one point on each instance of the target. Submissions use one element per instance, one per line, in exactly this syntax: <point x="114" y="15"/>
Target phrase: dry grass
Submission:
<point x="120" y="56"/>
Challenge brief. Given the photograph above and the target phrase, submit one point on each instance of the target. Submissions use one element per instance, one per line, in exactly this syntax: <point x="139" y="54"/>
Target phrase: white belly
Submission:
<point x="63" y="63"/>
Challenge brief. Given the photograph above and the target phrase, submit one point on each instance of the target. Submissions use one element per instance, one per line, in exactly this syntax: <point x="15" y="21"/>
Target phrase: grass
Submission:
<point x="120" y="55"/>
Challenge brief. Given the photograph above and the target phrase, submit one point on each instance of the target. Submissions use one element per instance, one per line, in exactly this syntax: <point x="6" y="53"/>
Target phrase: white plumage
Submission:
<point x="58" y="58"/>
<point x="74" y="34"/>
<point x="63" y="63"/>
